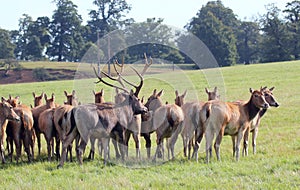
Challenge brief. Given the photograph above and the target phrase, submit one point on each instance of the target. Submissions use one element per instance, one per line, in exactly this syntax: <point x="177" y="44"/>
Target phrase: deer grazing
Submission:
<point x="167" y="119"/>
<point x="6" y="113"/>
<point x="191" y="121"/>
<point x="20" y="132"/>
<point x="99" y="120"/>
<point x="227" y="118"/>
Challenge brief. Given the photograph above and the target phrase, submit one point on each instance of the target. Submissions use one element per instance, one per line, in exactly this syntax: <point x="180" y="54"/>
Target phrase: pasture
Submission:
<point x="275" y="166"/>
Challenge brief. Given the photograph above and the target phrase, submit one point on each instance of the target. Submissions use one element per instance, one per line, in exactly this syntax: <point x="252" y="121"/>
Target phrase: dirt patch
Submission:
<point x="27" y="75"/>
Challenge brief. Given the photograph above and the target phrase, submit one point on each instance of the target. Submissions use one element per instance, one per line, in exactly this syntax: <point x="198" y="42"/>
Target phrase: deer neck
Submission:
<point x="251" y="109"/>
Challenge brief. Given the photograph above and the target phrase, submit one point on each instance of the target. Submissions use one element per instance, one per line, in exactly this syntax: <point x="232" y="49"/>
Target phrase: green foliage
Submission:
<point x="42" y="74"/>
<point x="275" y="166"/>
<point x="215" y="26"/>
<point x="6" y="47"/>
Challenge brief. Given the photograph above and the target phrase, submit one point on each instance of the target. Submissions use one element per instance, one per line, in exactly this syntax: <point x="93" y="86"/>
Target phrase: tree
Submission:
<point x="214" y="26"/>
<point x="6" y="46"/>
<point x="107" y="18"/>
<point x="275" y="45"/>
<point x="248" y="40"/>
<point x="293" y="25"/>
<point x="154" y="38"/>
<point x="65" y="30"/>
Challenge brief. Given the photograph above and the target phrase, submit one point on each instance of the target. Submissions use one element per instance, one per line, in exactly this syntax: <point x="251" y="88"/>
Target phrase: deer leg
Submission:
<point x="105" y="144"/>
<point x="254" y="136"/>
<point x="17" y="141"/>
<point x="38" y="138"/>
<point x="65" y="143"/>
<point x="57" y="146"/>
<point x="100" y="147"/>
<point x="49" y="145"/>
<point x="233" y="139"/>
<point x="92" y="151"/>
<point x="238" y="142"/>
<point x="11" y="142"/>
<point x="209" y="135"/>
<point x="218" y="142"/>
<point x="148" y="144"/>
<point x="80" y="150"/>
<point x="246" y="137"/>
<point x="126" y="137"/>
<point x="136" y="138"/>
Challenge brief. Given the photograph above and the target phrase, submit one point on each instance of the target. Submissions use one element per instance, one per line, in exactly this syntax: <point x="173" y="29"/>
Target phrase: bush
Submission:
<point x="41" y="74"/>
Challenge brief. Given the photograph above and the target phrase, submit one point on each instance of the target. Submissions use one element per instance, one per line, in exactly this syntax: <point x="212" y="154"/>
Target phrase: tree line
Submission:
<point x="273" y="36"/>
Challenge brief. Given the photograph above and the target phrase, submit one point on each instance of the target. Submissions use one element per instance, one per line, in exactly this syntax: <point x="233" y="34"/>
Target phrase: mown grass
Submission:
<point x="275" y="166"/>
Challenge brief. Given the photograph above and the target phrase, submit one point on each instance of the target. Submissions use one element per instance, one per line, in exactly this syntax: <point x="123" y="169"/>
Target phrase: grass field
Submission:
<point x="275" y="166"/>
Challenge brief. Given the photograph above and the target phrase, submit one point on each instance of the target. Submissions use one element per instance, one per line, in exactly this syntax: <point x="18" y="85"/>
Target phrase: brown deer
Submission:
<point x="167" y="119"/>
<point x="98" y="120"/>
<point x="20" y="132"/>
<point x="228" y="118"/>
<point x="38" y="100"/>
<point x="36" y="111"/>
<point x="268" y="93"/>
<point x="6" y="113"/>
<point x="191" y="121"/>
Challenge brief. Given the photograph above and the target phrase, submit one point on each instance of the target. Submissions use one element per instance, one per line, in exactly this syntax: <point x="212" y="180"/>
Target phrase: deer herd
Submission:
<point x="129" y="115"/>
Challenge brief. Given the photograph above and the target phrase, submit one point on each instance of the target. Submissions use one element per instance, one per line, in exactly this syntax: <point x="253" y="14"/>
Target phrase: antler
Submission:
<point x="106" y="83"/>
<point x="147" y="65"/>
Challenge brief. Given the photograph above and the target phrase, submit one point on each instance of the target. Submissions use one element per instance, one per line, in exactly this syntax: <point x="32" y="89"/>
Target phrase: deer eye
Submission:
<point x="255" y="95"/>
<point x="266" y="95"/>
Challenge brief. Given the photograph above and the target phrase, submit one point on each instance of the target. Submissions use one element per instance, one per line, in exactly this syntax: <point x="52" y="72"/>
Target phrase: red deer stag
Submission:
<point x="21" y="132"/>
<point x="36" y="111"/>
<point x="134" y="126"/>
<point x="227" y="118"/>
<point x="191" y="121"/>
<point x="167" y="119"/>
<point x="99" y="120"/>
<point x="6" y="113"/>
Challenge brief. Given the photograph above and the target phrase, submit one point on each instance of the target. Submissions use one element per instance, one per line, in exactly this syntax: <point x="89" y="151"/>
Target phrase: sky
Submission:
<point x="175" y="13"/>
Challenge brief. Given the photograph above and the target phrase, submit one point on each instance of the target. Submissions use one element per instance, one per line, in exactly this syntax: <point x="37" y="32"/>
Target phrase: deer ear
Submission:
<point x="43" y="94"/>
<point x="154" y="92"/>
<point x="160" y="93"/>
<point x="215" y="89"/>
<point x="271" y="89"/>
<point x="33" y="94"/>
<point x="184" y="94"/>
<point x="3" y="99"/>
<point x="206" y="90"/>
<point x="94" y="92"/>
<point x="17" y="97"/>
<point x="53" y="96"/>
<point x="66" y="94"/>
<point x="45" y="97"/>
<point x="73" y="93"/>
<point x="102" y="92"/>
<point x="176" y="93"/>
<point x="131" y="93"/>
<point x="251" y="90"/>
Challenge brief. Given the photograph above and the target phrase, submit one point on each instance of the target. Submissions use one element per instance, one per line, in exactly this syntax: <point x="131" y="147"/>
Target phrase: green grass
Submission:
<point x="275" y="166"/>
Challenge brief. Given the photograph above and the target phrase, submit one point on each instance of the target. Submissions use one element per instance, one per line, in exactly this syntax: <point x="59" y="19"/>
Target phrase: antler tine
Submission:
<point x="106" y="83"/>
<point x="139" y="87"/>
<point x="147" y="65"/>
<point x="114" y="79"/>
